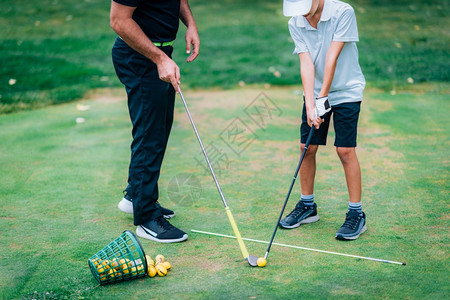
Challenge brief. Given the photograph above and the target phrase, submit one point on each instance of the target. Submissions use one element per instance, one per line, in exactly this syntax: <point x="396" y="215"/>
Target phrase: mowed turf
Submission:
<point x="54" y="51"/>
<point x="61" y="182"/>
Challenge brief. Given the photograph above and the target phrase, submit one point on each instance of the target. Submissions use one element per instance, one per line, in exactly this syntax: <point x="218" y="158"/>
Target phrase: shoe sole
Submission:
<point x="127" y="207"/>
<point x="350" y="238"/>
<point x="141" y="233"/>
<point x="304" y="221"/>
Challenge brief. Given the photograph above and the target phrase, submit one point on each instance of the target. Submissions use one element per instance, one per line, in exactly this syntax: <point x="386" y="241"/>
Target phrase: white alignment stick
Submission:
<point x="303" y="248"/>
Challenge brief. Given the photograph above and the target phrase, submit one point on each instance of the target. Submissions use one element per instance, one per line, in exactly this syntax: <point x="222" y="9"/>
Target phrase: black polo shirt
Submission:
<point x="159" y="19"/>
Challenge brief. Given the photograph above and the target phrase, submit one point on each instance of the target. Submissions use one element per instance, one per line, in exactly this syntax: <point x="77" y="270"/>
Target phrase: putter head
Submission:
<point x="252" y="260"/>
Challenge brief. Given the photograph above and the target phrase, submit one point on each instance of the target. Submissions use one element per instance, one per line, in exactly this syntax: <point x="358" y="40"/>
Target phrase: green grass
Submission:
<point x="61" y="182"/>
<point x="56" y="50"/>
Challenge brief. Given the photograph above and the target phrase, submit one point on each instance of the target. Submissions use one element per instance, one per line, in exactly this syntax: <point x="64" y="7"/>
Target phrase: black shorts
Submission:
<point x="345" y="120"/>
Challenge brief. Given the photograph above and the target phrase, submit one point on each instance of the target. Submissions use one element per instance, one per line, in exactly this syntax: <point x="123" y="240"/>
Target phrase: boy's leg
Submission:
<point x="305" y="210"/>
<point x="308" y="169"/>
<point x="345" y="117"/>
<point x="352" y="171"/>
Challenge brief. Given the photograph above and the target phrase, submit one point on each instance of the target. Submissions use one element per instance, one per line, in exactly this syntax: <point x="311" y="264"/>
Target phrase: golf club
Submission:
<point x="308" y="140"/>
<point x="252" y="260"/>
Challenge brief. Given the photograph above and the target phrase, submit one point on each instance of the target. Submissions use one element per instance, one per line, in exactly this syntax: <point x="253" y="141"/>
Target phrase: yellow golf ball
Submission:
<point x="161" y="270"/>
<point x="151" y="271"/>
<point x="261" y="262"/>
<point x="149" y="259"/>
<point x="159" y="258"/>
<point x="166" y="265"/>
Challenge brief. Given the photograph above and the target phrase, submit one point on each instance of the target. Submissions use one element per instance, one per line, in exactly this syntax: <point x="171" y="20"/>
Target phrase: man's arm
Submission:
<point x="192" y="37"/>
<point x="307" y="73"/>
<point x="122" y="23"/>
<point x="330" y="66"/>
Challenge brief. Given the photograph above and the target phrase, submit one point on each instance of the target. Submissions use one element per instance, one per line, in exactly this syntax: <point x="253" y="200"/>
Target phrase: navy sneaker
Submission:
<point x="160" y="230"/>
<point x="301" y="214"/>
<point x="126" y="205"/>
<point x="353" y="227"/>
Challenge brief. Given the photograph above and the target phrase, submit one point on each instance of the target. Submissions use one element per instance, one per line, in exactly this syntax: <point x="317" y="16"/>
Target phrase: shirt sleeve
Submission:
<point x="297" y="37"/>
<point x="346" y="27"/>
<point x="132" y="3"/>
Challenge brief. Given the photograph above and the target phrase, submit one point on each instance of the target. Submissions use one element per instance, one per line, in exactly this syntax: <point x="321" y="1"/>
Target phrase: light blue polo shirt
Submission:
<point x="337" y="23"/>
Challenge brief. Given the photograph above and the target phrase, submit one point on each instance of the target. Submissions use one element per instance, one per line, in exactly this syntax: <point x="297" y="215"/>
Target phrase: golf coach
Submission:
<point x="142" y="60"/>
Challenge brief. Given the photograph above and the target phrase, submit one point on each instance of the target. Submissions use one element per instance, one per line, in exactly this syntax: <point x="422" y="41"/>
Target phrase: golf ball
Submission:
<point x="261" y="262"/>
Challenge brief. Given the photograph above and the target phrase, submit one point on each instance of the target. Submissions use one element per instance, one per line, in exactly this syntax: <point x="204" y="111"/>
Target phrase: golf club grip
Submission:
<point x="237" y="233"/>
<point x="308" y="140"/>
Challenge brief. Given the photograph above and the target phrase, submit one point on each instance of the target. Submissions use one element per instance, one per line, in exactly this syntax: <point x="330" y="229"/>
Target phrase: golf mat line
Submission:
<point x="303" y="248"/>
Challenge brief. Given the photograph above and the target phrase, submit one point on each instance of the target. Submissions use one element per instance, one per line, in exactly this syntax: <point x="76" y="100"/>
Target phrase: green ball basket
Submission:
<point x="122" y="259"/>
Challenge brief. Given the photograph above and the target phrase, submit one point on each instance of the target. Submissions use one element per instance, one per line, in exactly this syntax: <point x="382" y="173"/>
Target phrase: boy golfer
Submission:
<point x="325" y="35"/>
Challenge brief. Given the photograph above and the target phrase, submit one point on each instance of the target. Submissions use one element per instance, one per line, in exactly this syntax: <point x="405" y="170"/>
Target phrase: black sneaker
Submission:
<point x="301" y="214"/>
<point x="354" y="225"/>
<point x="126" y="205"/>
<point x="160" y="230"/>
<point x="167" y="213"/>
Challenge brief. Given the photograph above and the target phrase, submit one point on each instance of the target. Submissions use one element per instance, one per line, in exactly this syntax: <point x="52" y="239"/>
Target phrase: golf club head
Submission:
<point x="252" y="260"/>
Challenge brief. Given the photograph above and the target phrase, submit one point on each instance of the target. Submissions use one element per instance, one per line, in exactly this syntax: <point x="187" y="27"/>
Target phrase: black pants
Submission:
<point x="151" y="106"/>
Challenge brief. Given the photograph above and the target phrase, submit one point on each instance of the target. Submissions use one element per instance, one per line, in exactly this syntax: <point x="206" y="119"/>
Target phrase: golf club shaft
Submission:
<point x="203" y="149"/>
<point x="304" y="248"/>
<point x="308" y="140"/>
<point x="227" y="209"/>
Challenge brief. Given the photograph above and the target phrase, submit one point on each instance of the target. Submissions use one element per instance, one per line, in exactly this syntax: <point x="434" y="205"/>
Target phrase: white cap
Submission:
<point x="296" y="7"/>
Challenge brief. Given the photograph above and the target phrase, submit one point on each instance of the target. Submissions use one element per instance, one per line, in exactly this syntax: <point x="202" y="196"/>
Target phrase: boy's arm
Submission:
<point x="307" y="73"/>
<point x="330" y="66"/>
<point x="192" y="37"/>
